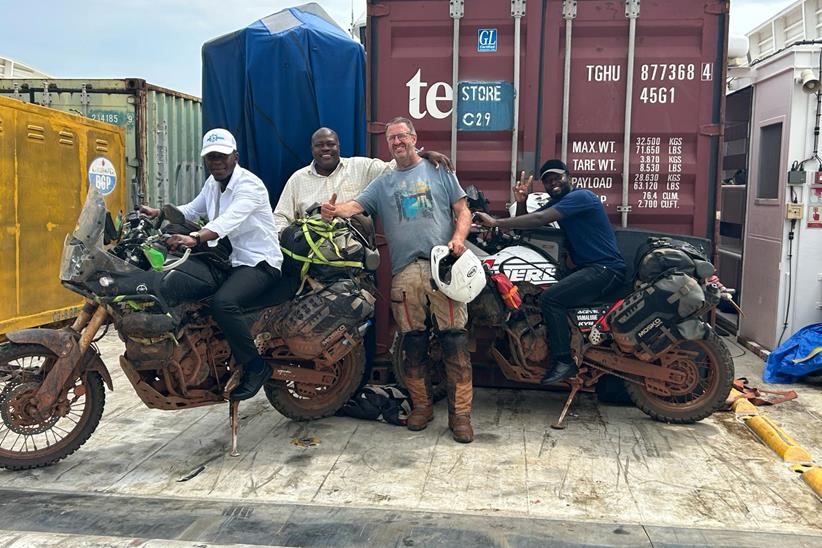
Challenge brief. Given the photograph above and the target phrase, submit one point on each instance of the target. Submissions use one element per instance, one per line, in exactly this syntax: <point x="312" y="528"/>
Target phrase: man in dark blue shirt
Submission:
<point x="598" y="266"/>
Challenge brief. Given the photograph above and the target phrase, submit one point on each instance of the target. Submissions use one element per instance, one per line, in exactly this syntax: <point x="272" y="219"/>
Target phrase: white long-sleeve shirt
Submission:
<point x="243" y="213"/>
<point x="306" y="187"/>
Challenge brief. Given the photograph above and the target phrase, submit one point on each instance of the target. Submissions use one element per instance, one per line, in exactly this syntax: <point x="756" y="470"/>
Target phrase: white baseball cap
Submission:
<point x="218" y="140"/>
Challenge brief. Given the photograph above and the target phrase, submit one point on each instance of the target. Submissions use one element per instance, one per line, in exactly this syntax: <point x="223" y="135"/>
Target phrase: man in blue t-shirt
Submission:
<point x="598" y="266"/>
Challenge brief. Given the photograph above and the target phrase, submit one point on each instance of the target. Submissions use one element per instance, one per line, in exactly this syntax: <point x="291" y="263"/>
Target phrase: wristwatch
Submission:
<point x="196" y="236"/>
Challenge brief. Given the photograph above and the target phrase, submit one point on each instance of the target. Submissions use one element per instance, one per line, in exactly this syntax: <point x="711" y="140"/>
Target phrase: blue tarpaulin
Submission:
<point x="798" y="356"/>
<point x="273" y="83"/>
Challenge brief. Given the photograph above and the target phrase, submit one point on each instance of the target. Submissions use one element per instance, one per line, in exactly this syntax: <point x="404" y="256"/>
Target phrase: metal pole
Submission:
<point x="569" y="12"/>
<point x="631" y="12"/>
<point x="517" y="11"/>
<point x="456" y="9"/>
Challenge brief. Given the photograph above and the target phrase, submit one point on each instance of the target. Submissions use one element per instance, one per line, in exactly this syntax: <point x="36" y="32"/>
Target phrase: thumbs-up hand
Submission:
<point x="329" y="208"/>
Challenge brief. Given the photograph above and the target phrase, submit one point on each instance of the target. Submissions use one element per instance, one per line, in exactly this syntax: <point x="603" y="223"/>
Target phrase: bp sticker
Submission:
<point x="102" y="175"/>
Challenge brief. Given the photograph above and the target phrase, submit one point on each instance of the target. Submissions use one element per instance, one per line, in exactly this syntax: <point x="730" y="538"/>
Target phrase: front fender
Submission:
<point x="58" y="341"/>
<point x="61" y="342"/>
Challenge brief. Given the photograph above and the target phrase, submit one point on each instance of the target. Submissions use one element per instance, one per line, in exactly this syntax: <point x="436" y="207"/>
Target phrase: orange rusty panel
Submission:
<point x="48" y="155"/>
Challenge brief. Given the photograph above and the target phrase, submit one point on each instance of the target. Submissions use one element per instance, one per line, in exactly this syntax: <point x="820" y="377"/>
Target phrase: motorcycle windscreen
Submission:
<point x="83" y="251"/>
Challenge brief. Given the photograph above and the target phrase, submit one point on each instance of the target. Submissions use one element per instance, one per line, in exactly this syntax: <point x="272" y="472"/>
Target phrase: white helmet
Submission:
<point x="461" y="279"/>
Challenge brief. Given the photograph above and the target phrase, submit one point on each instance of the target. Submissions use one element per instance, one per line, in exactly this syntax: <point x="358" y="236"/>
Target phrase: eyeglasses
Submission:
<point x="397" y="137"/>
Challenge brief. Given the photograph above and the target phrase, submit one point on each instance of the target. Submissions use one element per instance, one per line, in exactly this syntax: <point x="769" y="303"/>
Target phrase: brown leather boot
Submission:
<point x="423" y="411"/>
<point x="461" y="429"/>
<point x="457" y="362"/>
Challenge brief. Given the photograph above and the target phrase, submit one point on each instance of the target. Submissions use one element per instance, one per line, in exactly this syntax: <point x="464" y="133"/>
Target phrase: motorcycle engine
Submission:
<point x="532" y="340"/>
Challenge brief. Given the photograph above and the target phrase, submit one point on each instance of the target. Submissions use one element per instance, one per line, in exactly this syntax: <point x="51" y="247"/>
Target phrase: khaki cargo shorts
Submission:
<point x="413" y="299"/>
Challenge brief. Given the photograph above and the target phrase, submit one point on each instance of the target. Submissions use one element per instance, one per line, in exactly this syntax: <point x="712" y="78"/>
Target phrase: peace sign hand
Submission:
<point x="523" y="187"/>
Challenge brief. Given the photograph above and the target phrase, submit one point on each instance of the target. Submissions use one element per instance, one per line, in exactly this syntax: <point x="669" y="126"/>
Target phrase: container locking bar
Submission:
<point x="631" y="12"/>
<point x="456" y="10"/>
<point x="517" y="12"/>
<point x="569" y="13"/>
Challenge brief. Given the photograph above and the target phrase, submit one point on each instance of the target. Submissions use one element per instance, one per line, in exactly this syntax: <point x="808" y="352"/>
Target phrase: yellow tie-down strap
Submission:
<point x="325" y="231"/>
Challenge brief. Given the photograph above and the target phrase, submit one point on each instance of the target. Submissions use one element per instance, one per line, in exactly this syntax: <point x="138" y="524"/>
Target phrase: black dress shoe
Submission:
<point x="254" y="377"/>
<point x="560" y="372"/>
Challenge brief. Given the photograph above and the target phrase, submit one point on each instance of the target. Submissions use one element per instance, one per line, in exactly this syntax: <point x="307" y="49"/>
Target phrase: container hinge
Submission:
<point x="376" y="127"/>
<point x="85" y="99"/>
<point x="621" y="208"/>
<point x="718" y="7"/>
<point x="517" y="8"/>
<point x="711" y="130"/>
<point x="631" y="9"/>
<point x="378" y="10"/>
<point x="46" y="99"/>
<point x="569" y="9"/>
<point x="456" y="8"/>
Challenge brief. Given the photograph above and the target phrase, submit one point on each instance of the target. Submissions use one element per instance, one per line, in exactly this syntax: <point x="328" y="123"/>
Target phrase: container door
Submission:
<point x="676" y="103"/>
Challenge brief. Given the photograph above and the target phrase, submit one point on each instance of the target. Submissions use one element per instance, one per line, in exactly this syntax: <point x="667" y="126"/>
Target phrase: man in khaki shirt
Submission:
<point x="329" y="174"/>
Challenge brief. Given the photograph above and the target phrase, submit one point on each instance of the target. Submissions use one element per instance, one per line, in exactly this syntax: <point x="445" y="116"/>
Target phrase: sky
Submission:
<point x="160" y="40"/>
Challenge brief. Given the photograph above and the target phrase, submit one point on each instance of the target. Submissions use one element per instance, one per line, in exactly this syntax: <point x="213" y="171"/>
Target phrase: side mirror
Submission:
<point x="476" y="200"/>
<point x="173" y="215"/>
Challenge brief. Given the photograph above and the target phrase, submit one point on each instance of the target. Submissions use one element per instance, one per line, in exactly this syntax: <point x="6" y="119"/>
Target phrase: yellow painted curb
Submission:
<point x="812" y="475"/>
<point x="742" y="406"/>
<point x="775" y="438"/>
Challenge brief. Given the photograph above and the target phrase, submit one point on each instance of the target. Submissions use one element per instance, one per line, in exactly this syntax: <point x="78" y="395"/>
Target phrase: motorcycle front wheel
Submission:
<point x="28" y="439"/>
<point x="304" y="402"/>
<point x="709" y="373"/>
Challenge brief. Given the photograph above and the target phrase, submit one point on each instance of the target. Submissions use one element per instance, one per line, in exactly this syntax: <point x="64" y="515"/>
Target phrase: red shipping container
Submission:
<point x="571" y="99"/>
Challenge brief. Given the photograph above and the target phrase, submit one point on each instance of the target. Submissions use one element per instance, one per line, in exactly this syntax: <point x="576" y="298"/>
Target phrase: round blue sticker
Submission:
<point x="102" y="175"/>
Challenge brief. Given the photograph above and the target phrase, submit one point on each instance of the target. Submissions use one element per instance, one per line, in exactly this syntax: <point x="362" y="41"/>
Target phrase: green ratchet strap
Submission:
<point x="325" y="231"/>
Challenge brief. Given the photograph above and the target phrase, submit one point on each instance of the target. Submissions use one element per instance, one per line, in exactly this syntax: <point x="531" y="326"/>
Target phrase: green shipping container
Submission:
<point x="163" y="129"/>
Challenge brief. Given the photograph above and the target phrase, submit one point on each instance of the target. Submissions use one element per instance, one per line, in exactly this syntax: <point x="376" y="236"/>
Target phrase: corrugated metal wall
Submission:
<point x="174" y="127"/>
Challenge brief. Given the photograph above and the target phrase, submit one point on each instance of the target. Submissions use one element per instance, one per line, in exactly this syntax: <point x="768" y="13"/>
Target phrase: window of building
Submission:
<point x="770" y="158"/>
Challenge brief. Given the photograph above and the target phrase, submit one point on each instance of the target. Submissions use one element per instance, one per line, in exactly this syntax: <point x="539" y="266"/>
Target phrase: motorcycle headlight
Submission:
<point x="106" y="281"/>
<point x="74" y="264"/>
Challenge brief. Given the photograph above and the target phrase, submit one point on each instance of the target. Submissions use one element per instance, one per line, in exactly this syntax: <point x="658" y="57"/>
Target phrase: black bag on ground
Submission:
<point x="659" y="256"/>
<point x="651" y="319"/>
<point x="391" y="404"/>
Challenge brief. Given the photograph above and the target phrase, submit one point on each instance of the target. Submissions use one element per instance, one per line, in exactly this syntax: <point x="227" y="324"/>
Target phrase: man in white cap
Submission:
<point x="235" y="202"/>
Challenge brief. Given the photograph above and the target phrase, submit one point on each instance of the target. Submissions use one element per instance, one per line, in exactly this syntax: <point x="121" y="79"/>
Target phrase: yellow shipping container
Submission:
<point x="47" y="159"/>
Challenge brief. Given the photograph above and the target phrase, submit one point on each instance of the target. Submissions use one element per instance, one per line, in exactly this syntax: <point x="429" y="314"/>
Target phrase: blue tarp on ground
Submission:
<point x="798" y="356"/>
<point x="275" y="82"/>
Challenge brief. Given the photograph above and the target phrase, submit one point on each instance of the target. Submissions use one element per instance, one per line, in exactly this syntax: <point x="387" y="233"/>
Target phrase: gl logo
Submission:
<point x="486" y="39"/>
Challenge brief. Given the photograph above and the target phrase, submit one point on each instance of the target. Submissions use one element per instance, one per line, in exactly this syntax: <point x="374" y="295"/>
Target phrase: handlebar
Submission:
<point x="178" y="262"/>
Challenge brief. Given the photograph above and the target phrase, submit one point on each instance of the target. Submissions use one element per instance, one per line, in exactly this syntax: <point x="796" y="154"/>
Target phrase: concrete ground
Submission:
<point x="613" y="477"/>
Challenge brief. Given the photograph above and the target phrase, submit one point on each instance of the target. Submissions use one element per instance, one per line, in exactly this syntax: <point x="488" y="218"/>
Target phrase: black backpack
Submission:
<point x="661" y="256"/>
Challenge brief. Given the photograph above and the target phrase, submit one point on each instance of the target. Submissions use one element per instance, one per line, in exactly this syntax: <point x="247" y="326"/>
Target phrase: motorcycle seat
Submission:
<point x="613" y="296"/>
<point x="284" y="291"/>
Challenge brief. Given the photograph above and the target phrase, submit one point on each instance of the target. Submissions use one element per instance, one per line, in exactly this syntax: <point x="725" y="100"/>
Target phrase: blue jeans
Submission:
<point x="583" y="287"/>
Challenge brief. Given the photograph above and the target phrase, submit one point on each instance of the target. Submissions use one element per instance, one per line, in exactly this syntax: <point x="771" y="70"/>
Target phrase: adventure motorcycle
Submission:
<point x="650" y="333"/>
<point x="51" y="380"/>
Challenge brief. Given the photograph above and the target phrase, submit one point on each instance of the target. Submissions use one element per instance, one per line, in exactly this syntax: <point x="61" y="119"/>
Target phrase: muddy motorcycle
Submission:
<point x="52" y="381"/>
<point x="649" y="334"/>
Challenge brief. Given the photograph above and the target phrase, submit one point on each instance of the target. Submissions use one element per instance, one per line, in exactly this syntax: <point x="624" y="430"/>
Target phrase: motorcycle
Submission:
<point x="674" y="367"/>
<point x="52" y="380"/>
